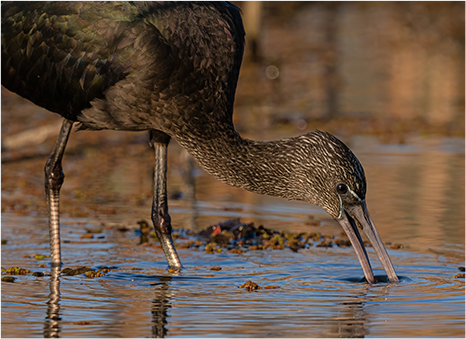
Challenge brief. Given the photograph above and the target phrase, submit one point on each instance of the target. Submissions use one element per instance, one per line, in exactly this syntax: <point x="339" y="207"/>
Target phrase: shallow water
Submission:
<point x="385" y="80"/>
<point x="415" y="196"/>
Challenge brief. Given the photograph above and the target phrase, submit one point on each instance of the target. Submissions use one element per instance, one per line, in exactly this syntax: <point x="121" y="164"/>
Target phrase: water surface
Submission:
<point x="415" y="196"/>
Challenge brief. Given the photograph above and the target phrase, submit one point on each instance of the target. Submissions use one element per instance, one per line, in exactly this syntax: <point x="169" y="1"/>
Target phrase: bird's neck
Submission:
<point x="268" y="168"/>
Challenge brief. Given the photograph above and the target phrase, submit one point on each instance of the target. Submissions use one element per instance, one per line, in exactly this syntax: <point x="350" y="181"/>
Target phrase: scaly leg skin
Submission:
<point x="54" y="177"/>
<point x="160" y="216"/>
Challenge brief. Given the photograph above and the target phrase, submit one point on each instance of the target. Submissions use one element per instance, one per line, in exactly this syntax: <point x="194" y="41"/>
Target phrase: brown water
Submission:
<point x="416" y="198"/>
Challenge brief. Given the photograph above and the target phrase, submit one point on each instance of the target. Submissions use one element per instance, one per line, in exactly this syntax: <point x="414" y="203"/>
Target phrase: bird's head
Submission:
<point x="333" y="178"/>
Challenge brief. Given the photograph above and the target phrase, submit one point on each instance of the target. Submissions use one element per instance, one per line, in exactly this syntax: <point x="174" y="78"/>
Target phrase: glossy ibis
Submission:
<point x="172" y="69"/>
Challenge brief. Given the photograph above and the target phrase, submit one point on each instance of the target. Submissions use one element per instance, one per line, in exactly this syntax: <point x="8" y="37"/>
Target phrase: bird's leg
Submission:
<point x="53" y="180"/>
<point x="160" y="216"/>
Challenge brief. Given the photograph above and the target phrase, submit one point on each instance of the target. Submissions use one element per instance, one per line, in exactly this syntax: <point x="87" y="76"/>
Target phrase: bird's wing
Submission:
<point x="62" y="55"/>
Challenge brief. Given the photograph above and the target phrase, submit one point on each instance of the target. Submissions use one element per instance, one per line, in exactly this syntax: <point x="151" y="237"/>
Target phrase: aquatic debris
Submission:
<point x="16" y="271"/>
<point x="215" y="268"/>
<point x="250" y="286"/>
<point x="236" y="250"/>
<point x="276" y="242"/>
<point x="75" y="271"/>
<point x="459" y="275"/>
<point x="87" y="271"/>
<point x="238" y="237"/>
<point x="342" y="242"/>
<point x="256" y="248"/>
<point x="4" y="241"/>
<point x="315" y="236"/>
<point x="325" y="243"/>
<point x="191" y="244"/>
<point x="123" y="229"/>
<point x="461" y="268"/>
<point x="37" y="256"/>
<point x="396" y="246"/>
<point x="212" y="248"/>
<point x="38" y="274"/>
<point x="295" y="244"/>
<point x="87" y="236"/>
<point x="94" y="274"/>
<point x="8" y="279"/>
<point x="94" y="230"/>
<point x="222" y="239"/>
<point x="105" y="269"/>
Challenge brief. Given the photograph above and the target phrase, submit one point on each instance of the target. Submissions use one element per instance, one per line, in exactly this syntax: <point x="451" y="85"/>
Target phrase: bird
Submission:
<point x="171" y="68"/>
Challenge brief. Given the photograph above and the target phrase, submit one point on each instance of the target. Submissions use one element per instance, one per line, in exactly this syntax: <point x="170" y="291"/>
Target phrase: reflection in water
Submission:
<point x="52" y="324"/>
<point x="353" y="319"/>
<point x="160" y="305"/>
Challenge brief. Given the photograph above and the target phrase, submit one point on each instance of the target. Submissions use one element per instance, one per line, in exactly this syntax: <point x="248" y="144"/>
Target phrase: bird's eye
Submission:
<point x="342" y="188"/>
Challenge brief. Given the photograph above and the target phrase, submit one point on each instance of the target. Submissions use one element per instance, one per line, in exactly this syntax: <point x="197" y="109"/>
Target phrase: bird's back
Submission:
<point x="122" y="65"/>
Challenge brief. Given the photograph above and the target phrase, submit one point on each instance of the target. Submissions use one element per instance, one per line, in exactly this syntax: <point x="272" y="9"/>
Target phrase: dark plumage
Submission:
<point x="172" y="69"/>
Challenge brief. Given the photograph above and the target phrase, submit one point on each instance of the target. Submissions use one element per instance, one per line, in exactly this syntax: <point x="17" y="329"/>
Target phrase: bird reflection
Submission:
<point x="353" y="320"/>
<point x="160" y="306"/>
<point x="351" y="316"/>
<point x="52" y="324"/>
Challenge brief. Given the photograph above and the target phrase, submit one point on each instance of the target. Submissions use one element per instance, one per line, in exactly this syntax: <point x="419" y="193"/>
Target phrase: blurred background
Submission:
<point x="389" y="68"/>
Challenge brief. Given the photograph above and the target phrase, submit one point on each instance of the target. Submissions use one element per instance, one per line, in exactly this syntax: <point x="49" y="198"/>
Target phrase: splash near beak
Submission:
<point x="358" y="217"/>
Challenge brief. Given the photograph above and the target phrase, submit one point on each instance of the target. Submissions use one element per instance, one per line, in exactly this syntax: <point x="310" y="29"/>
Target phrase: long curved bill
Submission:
<point x="358" y="217"/>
